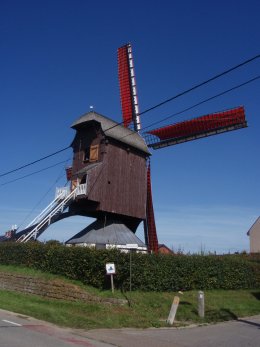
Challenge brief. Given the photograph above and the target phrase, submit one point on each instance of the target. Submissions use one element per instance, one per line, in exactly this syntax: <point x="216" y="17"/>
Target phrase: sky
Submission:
<point x="58" y="58"/>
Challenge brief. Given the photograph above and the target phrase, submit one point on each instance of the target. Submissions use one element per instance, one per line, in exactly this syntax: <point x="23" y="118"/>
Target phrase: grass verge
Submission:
<point x="146" y="309"/>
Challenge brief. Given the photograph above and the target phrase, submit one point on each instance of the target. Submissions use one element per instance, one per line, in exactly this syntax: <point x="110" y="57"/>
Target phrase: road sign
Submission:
<point x="110" y="268"/>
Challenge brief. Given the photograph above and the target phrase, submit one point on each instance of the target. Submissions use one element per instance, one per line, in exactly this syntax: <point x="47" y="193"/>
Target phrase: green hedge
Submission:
<point x="150" y="272"/>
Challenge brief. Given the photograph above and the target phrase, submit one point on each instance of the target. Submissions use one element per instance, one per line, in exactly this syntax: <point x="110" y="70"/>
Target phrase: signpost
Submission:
<point x="111" y="270"/>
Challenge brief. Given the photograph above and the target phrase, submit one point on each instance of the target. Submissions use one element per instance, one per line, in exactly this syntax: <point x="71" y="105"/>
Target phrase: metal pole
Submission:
<point x="112" y="282"/>
<point x="130" y="270"/>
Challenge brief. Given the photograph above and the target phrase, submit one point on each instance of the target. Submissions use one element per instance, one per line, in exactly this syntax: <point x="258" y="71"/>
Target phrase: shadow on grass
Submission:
<point x="256" y="295"/>
<point x="185" y="303"/>
<point x="220" y="315"/>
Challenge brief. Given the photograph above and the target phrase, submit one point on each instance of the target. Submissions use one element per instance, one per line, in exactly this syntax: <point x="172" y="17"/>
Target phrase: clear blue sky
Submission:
<point x="59" y="57"/>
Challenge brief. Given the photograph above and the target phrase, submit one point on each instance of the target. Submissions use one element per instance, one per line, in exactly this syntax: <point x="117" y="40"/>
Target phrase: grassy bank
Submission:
<point x="145" y="309"/>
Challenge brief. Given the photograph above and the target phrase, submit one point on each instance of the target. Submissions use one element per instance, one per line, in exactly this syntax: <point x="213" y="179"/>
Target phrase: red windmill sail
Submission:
<point x="211" y="124"/>
<point x="151" y="234"/>
<point x="130" y="111"/>
<point x="127" y="83"/>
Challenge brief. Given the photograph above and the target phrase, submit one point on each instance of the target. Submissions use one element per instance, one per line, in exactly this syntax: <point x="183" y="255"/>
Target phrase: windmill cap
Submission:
<point x="113" y="130"/>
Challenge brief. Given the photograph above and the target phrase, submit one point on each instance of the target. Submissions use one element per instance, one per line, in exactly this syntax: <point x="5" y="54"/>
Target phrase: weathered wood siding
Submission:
<point x="118" y="184"/>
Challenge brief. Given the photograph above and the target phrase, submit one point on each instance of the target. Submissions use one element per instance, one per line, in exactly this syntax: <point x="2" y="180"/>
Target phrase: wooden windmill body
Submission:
<point x="111" y="160"/>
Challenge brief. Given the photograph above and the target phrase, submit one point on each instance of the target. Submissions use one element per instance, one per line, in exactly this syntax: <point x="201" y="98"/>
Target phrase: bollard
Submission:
<point x="201" y="304"/>
<point x="173" y="310"/>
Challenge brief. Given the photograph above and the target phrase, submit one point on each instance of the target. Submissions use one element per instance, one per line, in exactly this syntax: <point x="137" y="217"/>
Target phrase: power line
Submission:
<point x="33" y="173"/>
<point x="148" y="110"/>
<point x="61" y="174"/>
<point x="148" y="126"/>
<point x="34" y="162"/>
<point x="203" y="101"/>
<point x="193" y="88"/>
<point x="197" y="104"/>
<point x="201" y="84"/>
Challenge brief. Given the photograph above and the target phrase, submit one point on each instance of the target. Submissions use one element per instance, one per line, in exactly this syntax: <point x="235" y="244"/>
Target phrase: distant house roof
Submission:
<point x="113" y="130"/>
<point x="164" y="249"/>
<point x="113" y="232"/>
<point x="256" y="224"/>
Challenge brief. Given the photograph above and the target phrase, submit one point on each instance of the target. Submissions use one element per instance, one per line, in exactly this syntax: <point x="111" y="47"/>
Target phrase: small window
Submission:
<point x="93" y="153"/>
<point x="87" y="154"/>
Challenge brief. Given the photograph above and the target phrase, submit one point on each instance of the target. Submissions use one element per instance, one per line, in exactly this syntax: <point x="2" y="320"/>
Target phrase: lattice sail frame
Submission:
<point x="130" y="113"/>
<point x="127" y="84"/>
<point x="196" y="128"/>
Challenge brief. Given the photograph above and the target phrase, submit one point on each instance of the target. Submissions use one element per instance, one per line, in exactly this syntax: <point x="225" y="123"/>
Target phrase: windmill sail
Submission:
<point x="150" y="226"/>
<point x="127" y="83"/>
<point x="130" y="112"/>
<point x="196" y="128"/>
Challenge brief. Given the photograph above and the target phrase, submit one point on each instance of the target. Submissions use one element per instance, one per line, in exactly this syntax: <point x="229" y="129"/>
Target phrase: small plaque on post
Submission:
<point x="110" y="268"/>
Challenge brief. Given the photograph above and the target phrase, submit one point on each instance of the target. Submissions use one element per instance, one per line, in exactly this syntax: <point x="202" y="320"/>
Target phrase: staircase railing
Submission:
<point x="56" y="207"/>
<point x="60" y="194"/>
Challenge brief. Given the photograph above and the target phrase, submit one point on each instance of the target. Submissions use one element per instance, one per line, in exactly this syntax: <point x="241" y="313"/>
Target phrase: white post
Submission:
<point x="173" y="310"/>
<point x="201" y="304"/>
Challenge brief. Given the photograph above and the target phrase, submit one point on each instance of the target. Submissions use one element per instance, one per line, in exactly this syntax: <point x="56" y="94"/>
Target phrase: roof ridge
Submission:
<point x="256" y="221"/>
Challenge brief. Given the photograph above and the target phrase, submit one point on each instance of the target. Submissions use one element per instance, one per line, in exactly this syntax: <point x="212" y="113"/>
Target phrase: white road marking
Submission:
<point x="8" y="321"/>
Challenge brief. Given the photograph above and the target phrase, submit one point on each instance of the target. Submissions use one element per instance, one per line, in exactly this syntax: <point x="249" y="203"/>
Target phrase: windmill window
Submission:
<point x="93" y="153"/>
<point x="87" y="154"/>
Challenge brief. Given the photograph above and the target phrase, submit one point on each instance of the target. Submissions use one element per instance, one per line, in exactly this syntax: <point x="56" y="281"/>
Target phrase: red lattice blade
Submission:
<point x="211" y="124"/>
<point x="127" y="84"/>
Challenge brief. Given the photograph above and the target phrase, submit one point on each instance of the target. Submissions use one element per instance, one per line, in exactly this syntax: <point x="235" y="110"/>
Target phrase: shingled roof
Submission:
<point x="113" y="130"/>
<point x="113" y="232"/>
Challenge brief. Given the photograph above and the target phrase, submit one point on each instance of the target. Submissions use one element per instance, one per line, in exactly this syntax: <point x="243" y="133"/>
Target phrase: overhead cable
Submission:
<point x="203" y="102"/>
<point x="154" y="107"/>
<point x="193" y="88"/>
<point x="61" y="175"/>
<point x="34" y="162"/>
<point x="197" y="104"/>
<point x="33" y="173"/>
<point x="201" y="84"/>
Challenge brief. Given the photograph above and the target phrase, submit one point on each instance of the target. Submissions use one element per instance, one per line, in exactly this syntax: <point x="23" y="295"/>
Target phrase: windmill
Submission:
<point x="110" y="176"/>
<point x="211" y="124"/>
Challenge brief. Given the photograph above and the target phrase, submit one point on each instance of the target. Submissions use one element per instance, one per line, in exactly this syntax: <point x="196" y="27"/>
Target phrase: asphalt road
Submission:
<point x="21" y="331"/>
<point x="241" y="333"/>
